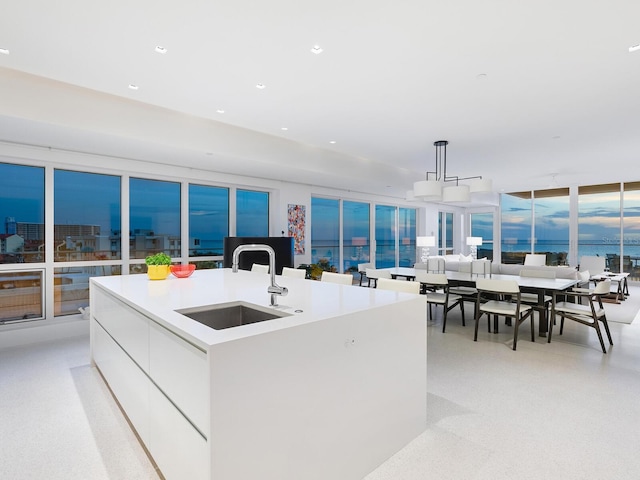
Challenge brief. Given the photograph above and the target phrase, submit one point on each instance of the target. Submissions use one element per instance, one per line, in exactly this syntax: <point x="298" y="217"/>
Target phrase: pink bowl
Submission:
<point x="182" y="271"/>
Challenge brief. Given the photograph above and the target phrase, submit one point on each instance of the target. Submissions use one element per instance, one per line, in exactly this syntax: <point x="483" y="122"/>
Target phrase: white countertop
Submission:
<point x="307" y="300"/>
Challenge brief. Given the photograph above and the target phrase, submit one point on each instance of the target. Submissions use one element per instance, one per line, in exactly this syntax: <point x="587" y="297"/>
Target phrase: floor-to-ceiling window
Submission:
<point x="445" y="228"/>
<point x="551" y="224"/>
<point x="515" y="226"/>
<point x="208" y="219"/>
<point x="22" y="214"/>
<point x="154" y="207"/>
<point x="325" y="231"/>
<point x="406" y="237"/>
<point x="631" y="230"/>
<point x="252" y="213"/>
<point x="355" y="234"/>
<point x="482" y="226"/>
<point x="87" y="227"/>
<point x="22" y="242"/>
<point x="599" y="223"/>
<point x="385" y="236"/>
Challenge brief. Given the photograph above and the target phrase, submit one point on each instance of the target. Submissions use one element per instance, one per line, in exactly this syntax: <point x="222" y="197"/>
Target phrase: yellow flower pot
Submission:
<point x="157" y="272"/>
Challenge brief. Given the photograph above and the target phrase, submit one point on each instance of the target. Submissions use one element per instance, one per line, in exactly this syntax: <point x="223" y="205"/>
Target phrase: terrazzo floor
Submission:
<point x="546" y="411"/>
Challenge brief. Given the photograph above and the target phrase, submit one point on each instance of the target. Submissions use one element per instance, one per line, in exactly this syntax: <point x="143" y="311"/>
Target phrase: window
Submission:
<point x="355" y="234"/>
<point x="599" y="223"/>
<point x="325" y="231"/>
<point x="22" y="214"/>
<point x="252" y="213"/>
<point x="154" y="217"/>
<point x="21" y="295"/>
<point x="631" y="237"/>
<point x="208" y="219"/>
<point x="516" y="226"/>
<point x="407" y="236"/>
<point x="482" y="226"/>
<point x="385" y="236"/>
<point x="551" y="224"/>
<point x="86" y="216"/>
<point x="445" y="227"/>
<point x="71" y="286"/>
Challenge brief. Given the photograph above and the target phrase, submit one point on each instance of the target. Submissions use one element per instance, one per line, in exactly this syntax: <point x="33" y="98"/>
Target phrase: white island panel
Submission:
<point x="325" y="400"/>
<point x="329" y="391"/>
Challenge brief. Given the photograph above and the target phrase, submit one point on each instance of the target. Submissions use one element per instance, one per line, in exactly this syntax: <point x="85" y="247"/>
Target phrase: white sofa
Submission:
<point x="462" y="263"/>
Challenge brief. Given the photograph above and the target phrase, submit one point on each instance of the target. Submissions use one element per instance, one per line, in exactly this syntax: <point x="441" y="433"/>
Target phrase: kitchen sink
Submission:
<point x="228" y="315"/>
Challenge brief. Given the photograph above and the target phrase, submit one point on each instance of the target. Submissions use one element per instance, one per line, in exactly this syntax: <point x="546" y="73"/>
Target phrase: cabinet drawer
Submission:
<point x="178" y="449"/>
<point x="127" y="382"/>
<point x="128" y="328"/>
<point x="181" y="371"/>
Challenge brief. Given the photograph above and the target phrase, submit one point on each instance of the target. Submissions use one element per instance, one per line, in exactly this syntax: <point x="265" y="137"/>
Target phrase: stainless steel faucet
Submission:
<point x="274" y="289"/>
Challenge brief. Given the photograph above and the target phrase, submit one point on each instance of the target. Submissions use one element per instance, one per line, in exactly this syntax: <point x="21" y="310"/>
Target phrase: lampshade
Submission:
<point x="425" y="241"/>
<point x="427" y="190"/>
<point x="474" y="241"/>
<point x="480" y="185"/>
<point x="410" y="197"/>
<point x="456" y="194"/>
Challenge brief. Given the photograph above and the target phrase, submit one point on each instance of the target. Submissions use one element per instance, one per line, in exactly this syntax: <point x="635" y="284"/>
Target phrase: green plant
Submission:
<point x="315" y="270"/>
<point x="158" y="259"/>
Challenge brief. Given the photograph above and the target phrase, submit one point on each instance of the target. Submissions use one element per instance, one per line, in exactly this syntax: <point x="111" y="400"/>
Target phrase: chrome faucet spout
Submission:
<point x="274" y="289"/>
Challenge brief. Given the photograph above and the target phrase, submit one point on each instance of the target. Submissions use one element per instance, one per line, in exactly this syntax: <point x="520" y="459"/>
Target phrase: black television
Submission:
<point x="283" y="246"/>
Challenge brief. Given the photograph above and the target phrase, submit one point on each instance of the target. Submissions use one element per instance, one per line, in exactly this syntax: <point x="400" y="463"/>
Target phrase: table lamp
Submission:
<point x="473" y="243"/>
<point x="424" y="243"/>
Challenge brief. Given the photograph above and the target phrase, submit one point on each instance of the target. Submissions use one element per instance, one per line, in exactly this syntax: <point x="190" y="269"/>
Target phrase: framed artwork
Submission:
<point x="296" y="216"/>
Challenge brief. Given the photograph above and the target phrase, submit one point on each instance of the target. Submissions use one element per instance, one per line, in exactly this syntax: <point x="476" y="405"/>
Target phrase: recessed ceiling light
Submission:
<point x="161" y="50"/>
<point x="481" y="76"/>
<point x="633" y="48"/>
<point x="332" y="141"/>
<point x="4" y="51"/>
<point x="316" y="49"/>
<point x="284" y="128"/>
<point x="261" y="86"/>
<point x="133" y="87"/>
<point x="220" y="110"/>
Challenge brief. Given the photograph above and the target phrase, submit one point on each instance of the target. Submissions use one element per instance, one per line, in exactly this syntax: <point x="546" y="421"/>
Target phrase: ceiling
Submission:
<point x="532" y="94"/>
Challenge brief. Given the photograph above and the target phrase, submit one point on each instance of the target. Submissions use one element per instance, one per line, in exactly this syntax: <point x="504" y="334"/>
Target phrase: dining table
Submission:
<point x="539" y="286"/>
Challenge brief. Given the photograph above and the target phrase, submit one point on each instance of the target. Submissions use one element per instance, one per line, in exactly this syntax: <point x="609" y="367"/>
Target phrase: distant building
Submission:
<point x="11" y="243"/>
<point x="10" y="226"/>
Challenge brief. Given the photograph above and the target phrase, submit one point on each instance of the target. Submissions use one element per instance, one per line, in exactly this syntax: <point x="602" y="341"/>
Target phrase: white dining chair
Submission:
<point x="341" y="278"/>
<point x="438" y="294"/>
<point x="362" y="270"/>
<point x="374" y="274"/>
<point x="398" y="285"/>
<point x="590" y="315"/>
<point x="538" y="301"/>
<point x="257" y="267"/>
<point x="294" y="272"/>
<point x="535" y="259"/>
<point x="507" y="305"/>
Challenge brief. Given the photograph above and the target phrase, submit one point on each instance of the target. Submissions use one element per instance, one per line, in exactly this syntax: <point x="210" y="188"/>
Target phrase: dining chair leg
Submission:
<point x="462" y="312"/>
<point x="606" y="328"/>
<point x="597" y="327"/>
<point x="475" y="334"/>
<point x="533" y="333"/>
<point x="444" y="318"/>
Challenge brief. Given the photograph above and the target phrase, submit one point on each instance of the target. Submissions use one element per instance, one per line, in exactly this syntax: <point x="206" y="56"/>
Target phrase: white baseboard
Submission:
<point x="38" y="331"/>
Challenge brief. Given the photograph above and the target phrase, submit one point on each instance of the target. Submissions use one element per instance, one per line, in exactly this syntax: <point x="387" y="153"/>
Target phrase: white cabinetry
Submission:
<point x="160" y="381"/>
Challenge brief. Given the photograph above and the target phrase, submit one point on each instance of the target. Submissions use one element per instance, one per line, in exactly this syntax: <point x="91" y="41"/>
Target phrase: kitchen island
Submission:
<point x="329" y="389"/>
